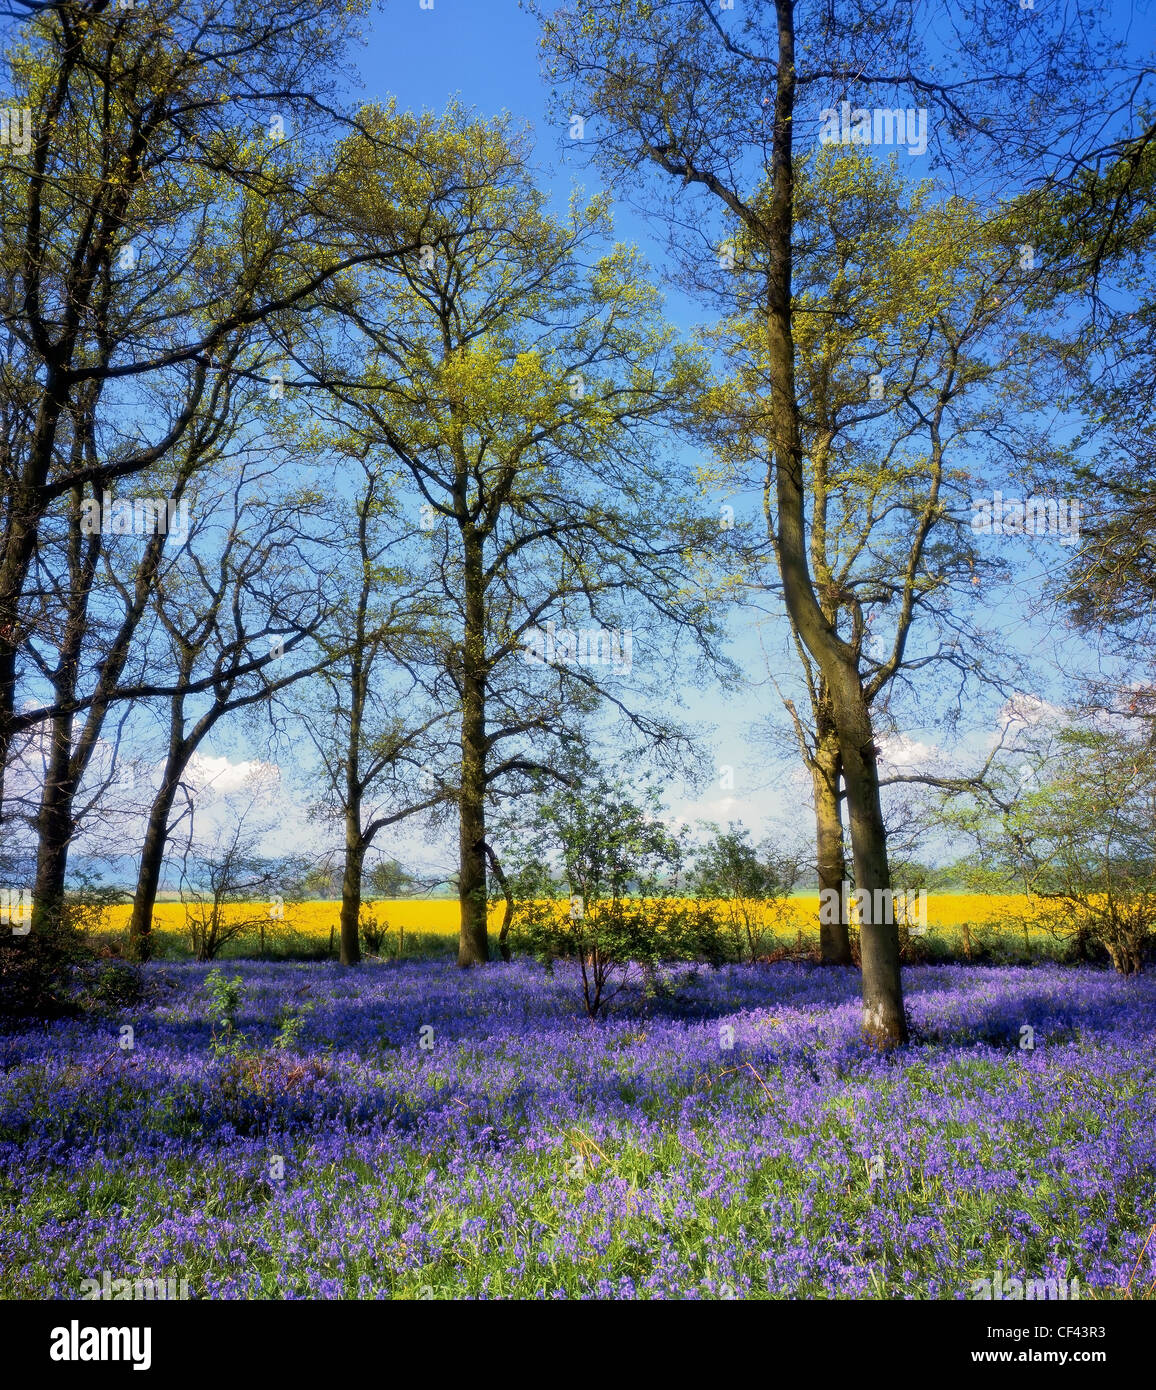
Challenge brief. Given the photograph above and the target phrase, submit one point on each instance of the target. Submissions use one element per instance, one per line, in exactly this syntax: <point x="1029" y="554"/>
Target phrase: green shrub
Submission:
<point x="612" y="934"/>
<point x="224" y="1005"/>
<point x="373" y="932"/>
<point x="117" y="986"/>
<point x="36" y="969"/>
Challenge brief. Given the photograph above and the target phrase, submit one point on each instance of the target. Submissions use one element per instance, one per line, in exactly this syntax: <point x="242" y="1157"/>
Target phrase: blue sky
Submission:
<point x="483" y="52"/>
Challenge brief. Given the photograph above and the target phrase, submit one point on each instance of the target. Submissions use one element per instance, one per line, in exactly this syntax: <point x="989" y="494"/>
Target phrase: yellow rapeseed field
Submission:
<point x="946" y="912"/>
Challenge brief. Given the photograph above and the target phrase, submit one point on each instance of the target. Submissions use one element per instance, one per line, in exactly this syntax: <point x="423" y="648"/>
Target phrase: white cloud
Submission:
<point x="225" y="777"/>
<point x="897" y="752"/>
<point x="1029" y="709"/>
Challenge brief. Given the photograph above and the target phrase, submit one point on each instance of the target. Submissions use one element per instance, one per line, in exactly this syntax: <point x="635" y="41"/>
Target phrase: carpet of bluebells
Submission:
<point x="432" y="1133"/>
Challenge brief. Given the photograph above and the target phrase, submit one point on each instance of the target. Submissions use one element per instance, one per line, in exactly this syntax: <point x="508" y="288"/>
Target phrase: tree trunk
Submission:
<point x="24" y="511"/>
<point x="157" y="829"/>
<point x="826" y="770"/>
<point x="473" y="941"/>
<point x="8" y="649"/>
<point x="351" y="888"/>
<point x="884" y="1020"/>
<point x="355" y="842"/>
<point x="56" y="822"/>
<point x="152" y="858"/>
<point x="55" y="827"/>
<point x="837" y="660"/>
<point x="68" y="763"/>
<point x="508" y="915"/>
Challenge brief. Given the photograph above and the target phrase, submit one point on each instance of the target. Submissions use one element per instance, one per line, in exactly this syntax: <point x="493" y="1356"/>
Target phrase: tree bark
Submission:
<point x="884" y="1019"/>
<point x="56" y="821"/>
<point x="883" y="1016"/>
<point x="826" y="771"/>
<point x="24" y="513"/>
<point x="355" y="839"/>
<point x="508" y="915"/>
<point x="149" y="873"/>
<point x="473" y="940"/>
<point x="351" y="887"/>
<point x="55" y="827"/>
<point x="156" y="839"/>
